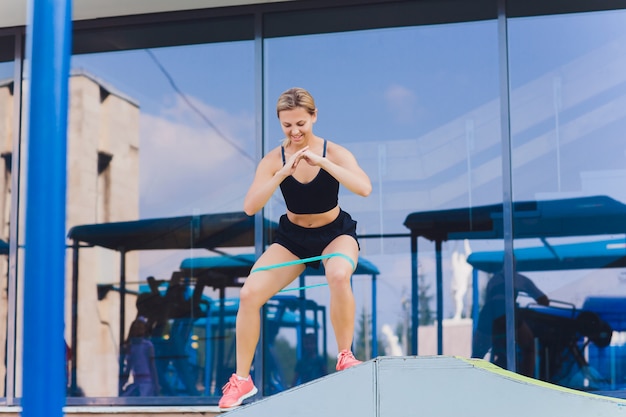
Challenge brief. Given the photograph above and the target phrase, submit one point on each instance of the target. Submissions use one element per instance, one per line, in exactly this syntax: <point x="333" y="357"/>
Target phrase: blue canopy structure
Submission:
<point x="207" y="231"/>
<point x="221" y="272"/>
<point x="610" y="309"/>
<point x="240" y="265"/>
<point x="221" y="230"/>
<point x="587" y="255"/>
<point x="583" y="216"/>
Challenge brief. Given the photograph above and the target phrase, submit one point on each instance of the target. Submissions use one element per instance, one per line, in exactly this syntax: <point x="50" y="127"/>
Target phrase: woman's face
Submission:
<point x="297" y="124"/>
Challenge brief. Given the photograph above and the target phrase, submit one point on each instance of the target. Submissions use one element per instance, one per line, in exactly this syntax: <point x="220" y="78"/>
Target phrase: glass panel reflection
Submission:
<point x="568" y="157"/>
<point x="161" y="152"/>
<point x="419" y="109"/>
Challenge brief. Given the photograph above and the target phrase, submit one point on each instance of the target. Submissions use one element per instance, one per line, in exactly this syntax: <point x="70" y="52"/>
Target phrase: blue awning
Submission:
<point x="583" y="216"/>
<point x="569" y="217"/>
<point x="207" y="231"/>
<point x="587" y="255"/>
<point x="240" y="265"/>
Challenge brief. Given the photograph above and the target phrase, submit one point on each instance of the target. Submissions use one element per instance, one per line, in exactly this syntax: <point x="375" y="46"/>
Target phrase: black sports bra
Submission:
<point x="317" y="196"/>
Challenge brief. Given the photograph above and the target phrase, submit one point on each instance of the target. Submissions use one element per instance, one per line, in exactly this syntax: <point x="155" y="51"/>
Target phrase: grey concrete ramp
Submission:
<point x="431" y="386"/>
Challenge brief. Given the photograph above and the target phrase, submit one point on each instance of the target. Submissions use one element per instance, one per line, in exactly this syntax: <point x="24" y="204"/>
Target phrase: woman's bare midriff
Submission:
<point x="313" y="220"/>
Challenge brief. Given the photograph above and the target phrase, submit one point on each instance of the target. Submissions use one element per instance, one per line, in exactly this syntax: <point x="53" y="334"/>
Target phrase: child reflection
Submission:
<point x="139" y="362"/>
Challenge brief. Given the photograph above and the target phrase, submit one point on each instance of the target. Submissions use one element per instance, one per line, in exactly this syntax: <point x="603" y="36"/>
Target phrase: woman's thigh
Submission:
<point x="345" y="245"/>
<point x="263" y="285"/>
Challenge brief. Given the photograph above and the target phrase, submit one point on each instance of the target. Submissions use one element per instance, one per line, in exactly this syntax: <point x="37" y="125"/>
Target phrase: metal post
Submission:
<point x="122" y="332"/>
<point x="414" y="294"/>
<point x="439" y="297"/>
<point x="475" y="298"/>
<point x="259" y="225"/>
<point x="12" y="284"/>
<point x="507" y="184"/>
<point x="374" y="321"/>
<point x="49" y="40"/>
<point x="74" y="324"/>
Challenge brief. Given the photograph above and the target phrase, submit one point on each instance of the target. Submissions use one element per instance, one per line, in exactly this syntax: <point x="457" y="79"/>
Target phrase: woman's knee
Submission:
<point x="338" y="276"/>
<point x="248" y="298"/>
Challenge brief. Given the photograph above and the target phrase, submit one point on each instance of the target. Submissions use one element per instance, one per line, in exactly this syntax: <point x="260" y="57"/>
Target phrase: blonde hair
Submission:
<point x="293" y="98"/>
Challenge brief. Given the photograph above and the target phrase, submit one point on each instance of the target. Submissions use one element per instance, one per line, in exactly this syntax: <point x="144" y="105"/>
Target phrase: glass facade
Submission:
<point x="164" y="124"/>
<point x="423" y="124"/>
<point x="568" y="153"/>
<point x="476" y="237"/>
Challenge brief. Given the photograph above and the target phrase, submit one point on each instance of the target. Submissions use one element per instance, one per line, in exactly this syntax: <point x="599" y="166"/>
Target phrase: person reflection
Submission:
<point x="139" y="362"/>
<point x="491" y="328"/>
<point x="170" y="319"/>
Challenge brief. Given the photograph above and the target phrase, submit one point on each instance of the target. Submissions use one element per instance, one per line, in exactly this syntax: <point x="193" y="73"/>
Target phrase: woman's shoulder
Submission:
<point x="273" y="154"/>
<point x="333" y="149"/>
<point x="334" y="146"/>
<point x="271" y="161"/>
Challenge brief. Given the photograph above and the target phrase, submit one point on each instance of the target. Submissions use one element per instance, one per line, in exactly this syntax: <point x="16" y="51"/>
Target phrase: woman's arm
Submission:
<point x="263" y="186"/>
<point x="269" y="174"/>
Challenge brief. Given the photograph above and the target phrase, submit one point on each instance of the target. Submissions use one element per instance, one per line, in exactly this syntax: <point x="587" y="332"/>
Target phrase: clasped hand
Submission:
<point x="303" y="154"/>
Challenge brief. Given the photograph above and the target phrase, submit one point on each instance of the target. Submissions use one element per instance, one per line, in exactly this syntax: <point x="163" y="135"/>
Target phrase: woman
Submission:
<point x="308" y="170"/>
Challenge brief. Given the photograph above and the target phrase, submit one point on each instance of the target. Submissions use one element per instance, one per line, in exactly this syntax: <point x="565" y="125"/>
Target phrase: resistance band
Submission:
<point x="306" y="287"/>
<point x="303" y="261"/>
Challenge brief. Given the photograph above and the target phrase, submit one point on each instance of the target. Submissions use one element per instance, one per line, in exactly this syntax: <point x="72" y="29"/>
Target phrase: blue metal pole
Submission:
<point x="44" y="370"/>
<point x="374" y="319"/>
<point x="439" y="263"/>
<point x="414" y="295"/>
<point x="507" y="184"/>
<point x="475" y="298"/>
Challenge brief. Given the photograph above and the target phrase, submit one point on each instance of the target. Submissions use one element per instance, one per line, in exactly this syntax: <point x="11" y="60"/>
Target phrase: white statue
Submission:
<point x="461" y="278"/>
<point x="393" y="346"/>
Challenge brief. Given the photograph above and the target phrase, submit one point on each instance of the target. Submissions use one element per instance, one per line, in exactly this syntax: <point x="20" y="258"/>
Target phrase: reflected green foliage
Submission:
<point x="426" y="315"/>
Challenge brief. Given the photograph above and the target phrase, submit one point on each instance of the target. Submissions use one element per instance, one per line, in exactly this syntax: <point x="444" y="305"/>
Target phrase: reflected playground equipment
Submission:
<point x="578" y="347"/>
<point x="563" y="333"/>
<point x="282" y="311"/>
<point x="213" y="232"/>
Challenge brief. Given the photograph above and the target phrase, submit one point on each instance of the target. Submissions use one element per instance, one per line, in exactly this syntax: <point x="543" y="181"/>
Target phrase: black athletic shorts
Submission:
<point x="307" y="242"/>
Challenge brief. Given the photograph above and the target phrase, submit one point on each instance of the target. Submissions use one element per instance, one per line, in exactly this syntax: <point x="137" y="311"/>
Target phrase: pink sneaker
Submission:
<point x="346" y="360"/>
<point x="235" y="391"/>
